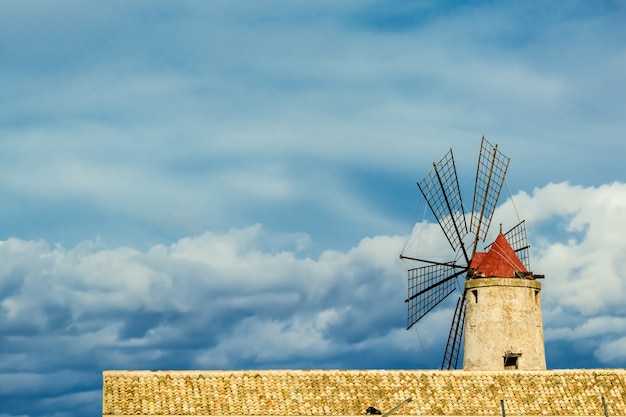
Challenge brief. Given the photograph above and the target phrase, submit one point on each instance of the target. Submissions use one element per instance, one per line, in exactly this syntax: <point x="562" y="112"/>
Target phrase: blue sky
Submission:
<point x="228" y="185"/>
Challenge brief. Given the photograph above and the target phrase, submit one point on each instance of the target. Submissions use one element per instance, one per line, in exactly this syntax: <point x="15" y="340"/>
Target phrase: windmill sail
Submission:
<point x="428" y="286"/>
<point x="517" y="238"/>
<point x="453" y="347"/>
<point x="490" y="173"/>
<point x="441" y="191"/>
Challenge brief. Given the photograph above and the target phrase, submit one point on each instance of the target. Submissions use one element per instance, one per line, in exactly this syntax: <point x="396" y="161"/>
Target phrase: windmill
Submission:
<point x="503" y="326"/>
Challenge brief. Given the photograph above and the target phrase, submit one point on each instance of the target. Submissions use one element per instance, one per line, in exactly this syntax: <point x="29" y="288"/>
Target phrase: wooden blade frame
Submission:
<point x="428" y="286"/>
<point x="490" y="174"/>
<point x="453" y="347"/>
<point x="517" y="238"/>
<point x="441" y="191"/>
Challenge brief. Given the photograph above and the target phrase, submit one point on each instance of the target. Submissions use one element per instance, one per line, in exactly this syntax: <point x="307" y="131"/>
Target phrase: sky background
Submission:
<point x="228" y="185"/>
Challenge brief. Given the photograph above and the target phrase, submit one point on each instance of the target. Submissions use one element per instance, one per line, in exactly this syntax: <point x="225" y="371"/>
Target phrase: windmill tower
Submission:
<point x="499" y="309"/>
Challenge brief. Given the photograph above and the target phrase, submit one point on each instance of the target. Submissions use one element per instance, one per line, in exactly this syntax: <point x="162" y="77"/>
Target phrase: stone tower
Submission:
<point x="503" y="325"/>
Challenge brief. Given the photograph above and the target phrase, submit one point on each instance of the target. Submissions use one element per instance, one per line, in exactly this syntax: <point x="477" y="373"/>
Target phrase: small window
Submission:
<point x="475" y="293"/>
<point x="511" y="360"/>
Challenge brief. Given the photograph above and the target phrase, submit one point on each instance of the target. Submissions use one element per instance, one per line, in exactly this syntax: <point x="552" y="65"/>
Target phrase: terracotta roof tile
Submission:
<point x="350" y="392"/>
<point x="499" y="261"/>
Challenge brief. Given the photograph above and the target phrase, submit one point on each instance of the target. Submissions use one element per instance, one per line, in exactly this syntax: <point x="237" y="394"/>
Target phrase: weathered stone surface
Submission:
<point x="503" y="315"/>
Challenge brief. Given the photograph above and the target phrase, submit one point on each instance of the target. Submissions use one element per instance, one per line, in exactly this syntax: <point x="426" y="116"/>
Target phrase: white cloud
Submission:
<point x="612" y="352"/>
<point x="585" y="267"/>
<point x="122" y="297"/>
<point x="590" y="328"/>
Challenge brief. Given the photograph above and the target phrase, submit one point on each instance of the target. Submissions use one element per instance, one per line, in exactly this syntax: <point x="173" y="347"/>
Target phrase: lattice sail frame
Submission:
<point x="441" y="191"/>
<point x="428" y="286"/>
<point x="490" y="174"/>
<point x="453" y="346"/>
<point x="517" y="238"/>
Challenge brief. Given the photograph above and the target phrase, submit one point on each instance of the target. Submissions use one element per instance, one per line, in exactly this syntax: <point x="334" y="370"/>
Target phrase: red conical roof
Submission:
<point x="499" y="261"/>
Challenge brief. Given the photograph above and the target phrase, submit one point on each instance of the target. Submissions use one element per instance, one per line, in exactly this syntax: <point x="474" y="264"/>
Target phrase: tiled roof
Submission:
<point x="499" y="261"/>
<point x="350" y="392"/>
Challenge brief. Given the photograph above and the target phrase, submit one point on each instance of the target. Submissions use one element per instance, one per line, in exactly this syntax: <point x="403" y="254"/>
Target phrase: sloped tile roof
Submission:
<point x="499" y="261"/>
<point x="350" y="392"/>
